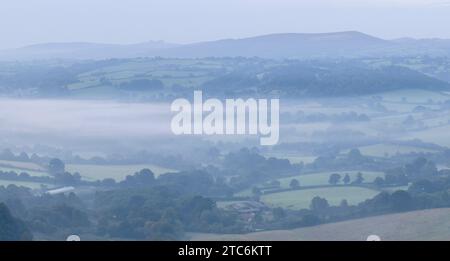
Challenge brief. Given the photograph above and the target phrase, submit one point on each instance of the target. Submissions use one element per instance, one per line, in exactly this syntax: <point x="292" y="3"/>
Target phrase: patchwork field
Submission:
<point x="21" y="165"/>
<point x="432" y="224"/>
<point x="30" y="172"/>
<point x="318" y="179"/>
<point x="17" y="166"/>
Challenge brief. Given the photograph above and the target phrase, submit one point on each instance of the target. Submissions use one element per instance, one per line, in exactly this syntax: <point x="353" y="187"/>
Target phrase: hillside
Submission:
<point x="158" y="78"/>
<point x="289" y="45"/>
<point x="82" y="51"/>
<point x="349" y="44"/>
<point x="432" y="224"/>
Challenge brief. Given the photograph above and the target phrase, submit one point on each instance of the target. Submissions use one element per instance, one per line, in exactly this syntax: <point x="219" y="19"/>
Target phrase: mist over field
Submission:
<point x="87" y="145"/>
<point x="77" y="118"/>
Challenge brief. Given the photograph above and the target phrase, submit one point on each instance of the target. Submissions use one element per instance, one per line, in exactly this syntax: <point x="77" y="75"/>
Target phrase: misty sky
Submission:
<point x="25" y="22"/>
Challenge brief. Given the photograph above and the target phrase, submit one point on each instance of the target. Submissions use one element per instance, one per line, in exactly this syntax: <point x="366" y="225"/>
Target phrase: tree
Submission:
<point x="12" y="229"/>
<point x="420" y="168"/>
<point x="334" y="179"/>
<point x="379" y="181"/>
<point x="319" y="204"/>
<point x="256" y="191"/>
<point x="344" y="203"/>
<point x="275" y="183"/>
<point x="143" y="178"/>
<point x="278" y="213"/>
<point x="56" y="166"/>
<point x="359" y="179"/>
<point x="401" y="201"/>
<point x="294" y="184"/>
<point x="355" y="156"/>
<point x="23" y="157"/>
<point x="7" y="155"/>
<point x="66" y="178"/>
<point x="346" y="179"/>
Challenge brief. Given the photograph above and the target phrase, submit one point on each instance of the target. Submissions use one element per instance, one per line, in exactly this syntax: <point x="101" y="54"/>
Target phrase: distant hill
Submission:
<point x="432" y="224"/>
<point x="432" y="47"/>
<point x="83" y="51"/>
<point x="350" y="44"/>
<point x="289" y="45"/>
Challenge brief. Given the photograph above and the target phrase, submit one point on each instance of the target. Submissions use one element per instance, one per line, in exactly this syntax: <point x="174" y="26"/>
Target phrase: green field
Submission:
<point x="301" y="199"/>
<point x="117" y="172"/>
<point x="21" y="165"/>
<point x="32" y="185"/>
<point x="321" y="178"/>
<point x="30" y="172"/>
<point x="184" y="72"/>
<point x="17" y="166"/>
<point x="387" y="150"/>
<point x="318" y="179"/>
<point x="432" y="224"/>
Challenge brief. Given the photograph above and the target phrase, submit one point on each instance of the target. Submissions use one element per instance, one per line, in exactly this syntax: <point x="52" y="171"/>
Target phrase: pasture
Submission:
<point x="118" y="172"/>
<point x="301" y="199"/>
<point x="18" y="166"/>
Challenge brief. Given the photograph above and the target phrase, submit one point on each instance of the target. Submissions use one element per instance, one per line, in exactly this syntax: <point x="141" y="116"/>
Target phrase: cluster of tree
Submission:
<point x="7" y="154"/>
<point x="46" y="214"/>
<point x="319" y="78"/>
<point x="248" y="167"/>
<point x="335" y="178"/>
<point x="48" y="79"/>
<point x="11" y="228"/>
<point x="235" y="76"/>
<point x="353" y="159"/>
<point x="420" y="168"/>
<point x="190" y="182"/>
<point x="140" y="157"/>
<point x="24" y="176"/>
<point x="159" y="213"/>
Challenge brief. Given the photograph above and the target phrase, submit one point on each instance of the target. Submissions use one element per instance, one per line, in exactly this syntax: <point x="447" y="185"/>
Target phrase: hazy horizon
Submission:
<point x="176" y="21"/>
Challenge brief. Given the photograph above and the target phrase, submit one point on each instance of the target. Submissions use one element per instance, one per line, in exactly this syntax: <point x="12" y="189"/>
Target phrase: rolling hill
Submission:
<point x="347" y="44"/>
<point x="290" y="45"/>
<point x="82" y="51"/>
<point x="432" y="224"/>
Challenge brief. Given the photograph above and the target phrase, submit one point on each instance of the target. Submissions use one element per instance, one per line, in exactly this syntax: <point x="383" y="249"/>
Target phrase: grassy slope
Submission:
<point x="117" y="172"/>
<point x="433" y="224"/>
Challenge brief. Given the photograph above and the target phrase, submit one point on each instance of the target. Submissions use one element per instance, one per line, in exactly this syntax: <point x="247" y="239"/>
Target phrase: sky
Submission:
<point x="25" y="22"/>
